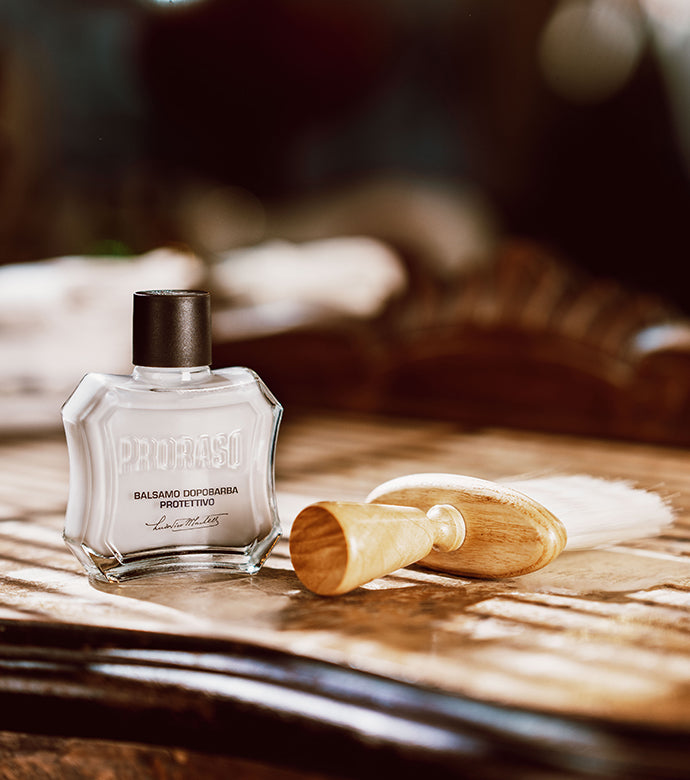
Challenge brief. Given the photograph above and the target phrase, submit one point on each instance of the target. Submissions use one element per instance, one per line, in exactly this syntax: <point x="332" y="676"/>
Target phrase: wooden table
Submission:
<point x="580" y="670"/>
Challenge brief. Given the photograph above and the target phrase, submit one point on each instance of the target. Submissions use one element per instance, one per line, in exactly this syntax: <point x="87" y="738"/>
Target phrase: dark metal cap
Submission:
<point x="171" y="328"/>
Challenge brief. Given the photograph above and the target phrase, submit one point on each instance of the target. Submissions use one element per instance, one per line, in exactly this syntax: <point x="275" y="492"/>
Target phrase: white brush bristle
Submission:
<point x="598" y="512"/>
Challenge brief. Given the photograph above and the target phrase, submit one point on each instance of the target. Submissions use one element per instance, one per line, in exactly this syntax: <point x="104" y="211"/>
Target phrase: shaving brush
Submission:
<point x="466" y="526"/>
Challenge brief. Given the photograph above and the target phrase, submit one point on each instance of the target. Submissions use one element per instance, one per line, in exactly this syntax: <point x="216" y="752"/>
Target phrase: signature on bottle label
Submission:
<point x="186" y="523"/>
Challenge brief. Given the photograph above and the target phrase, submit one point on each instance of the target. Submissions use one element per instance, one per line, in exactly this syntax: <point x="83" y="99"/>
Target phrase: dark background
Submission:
<point x="110" y="110"/>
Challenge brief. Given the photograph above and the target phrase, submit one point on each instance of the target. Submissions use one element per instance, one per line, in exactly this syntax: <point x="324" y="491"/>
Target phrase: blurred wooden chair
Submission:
<point x="524" y="340"/>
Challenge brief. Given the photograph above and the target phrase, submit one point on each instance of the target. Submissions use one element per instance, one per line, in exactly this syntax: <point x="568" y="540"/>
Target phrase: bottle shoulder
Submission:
<point x="87" y="395"/>
<point x="217" y="388"/>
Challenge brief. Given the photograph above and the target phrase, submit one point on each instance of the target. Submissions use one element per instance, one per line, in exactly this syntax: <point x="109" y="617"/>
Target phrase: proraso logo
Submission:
<point x="179" y="453"/>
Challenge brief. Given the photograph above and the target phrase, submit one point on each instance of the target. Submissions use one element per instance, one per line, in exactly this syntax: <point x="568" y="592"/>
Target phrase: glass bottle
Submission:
<point x="171" y="468"/>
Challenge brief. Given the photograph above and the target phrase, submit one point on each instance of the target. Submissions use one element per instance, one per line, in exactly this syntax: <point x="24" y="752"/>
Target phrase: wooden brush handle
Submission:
<point x="508" y="533"/>
<point x="336" y="546"/>
<point x="452" y="523"/>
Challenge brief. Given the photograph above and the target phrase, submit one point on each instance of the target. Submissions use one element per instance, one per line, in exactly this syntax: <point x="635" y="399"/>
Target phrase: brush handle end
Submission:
<point x="336" y="546"/>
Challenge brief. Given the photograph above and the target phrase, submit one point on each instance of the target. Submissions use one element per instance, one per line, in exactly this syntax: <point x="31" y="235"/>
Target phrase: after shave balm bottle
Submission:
<point x="171" y="468"/>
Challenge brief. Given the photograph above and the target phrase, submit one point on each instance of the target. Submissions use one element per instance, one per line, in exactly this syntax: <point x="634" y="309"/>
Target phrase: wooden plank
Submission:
<point x="601" y="637"/>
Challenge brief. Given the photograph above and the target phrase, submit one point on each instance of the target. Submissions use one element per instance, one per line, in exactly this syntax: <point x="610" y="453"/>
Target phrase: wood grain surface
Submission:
<point x="599" y="637"/>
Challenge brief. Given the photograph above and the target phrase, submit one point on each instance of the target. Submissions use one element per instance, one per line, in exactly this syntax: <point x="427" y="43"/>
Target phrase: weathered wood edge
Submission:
<point x="231" y="698"/>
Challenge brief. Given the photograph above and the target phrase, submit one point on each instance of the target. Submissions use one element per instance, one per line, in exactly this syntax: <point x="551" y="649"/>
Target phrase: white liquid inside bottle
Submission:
<point x="171" y="468"/>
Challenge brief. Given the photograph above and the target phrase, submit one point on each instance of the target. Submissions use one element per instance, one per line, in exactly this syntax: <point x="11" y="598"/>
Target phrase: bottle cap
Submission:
<point x="171" y="328"/>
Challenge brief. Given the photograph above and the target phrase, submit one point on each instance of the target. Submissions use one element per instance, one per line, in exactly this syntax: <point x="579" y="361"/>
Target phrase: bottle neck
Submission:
<point x="171" y="377"/>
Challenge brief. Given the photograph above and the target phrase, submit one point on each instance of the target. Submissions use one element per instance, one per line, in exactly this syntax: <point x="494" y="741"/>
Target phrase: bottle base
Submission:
<point x="111" y="569"/>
